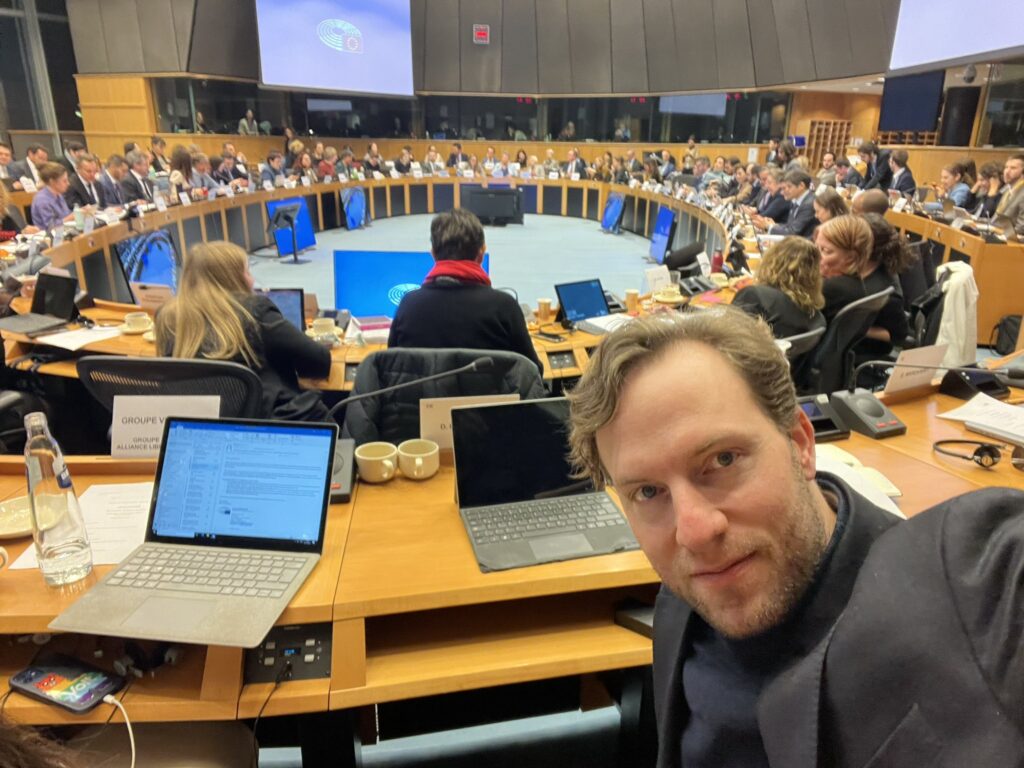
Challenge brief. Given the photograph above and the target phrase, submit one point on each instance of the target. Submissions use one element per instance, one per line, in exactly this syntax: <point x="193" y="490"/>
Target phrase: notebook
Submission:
<point x="236" y="524"/>
<point x="53" y="306"/>
<point x="517" y="498"/>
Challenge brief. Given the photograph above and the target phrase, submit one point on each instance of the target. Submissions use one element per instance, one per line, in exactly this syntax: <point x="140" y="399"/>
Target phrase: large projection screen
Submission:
<point x="350" y="46"/>
<point x="931" y="34"/>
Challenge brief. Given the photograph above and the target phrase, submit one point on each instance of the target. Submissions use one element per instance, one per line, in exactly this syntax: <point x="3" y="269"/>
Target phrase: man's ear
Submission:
<point x="802" y="435"/>
<point x="480" y="256"/>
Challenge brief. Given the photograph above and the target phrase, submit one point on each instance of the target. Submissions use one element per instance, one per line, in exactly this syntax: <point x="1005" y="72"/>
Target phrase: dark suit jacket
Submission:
<point x="454" y="159"/>
<point x="801" y="222"/>
<point x="879" y="174"/>
<point x="905" y="183"/>
<point x="775" y="207"/>
<point x="851" y="178"/>
<point x="579" y="167"/>
<point x="112" y="193"/>
<point x="20" y="168"/>
<point x="132" y="190"/>
<point x="78" y="194"/>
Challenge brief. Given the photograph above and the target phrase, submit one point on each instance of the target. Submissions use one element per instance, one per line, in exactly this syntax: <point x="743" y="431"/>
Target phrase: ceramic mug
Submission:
<point x="419" y="459"/>
<point x="137" y="321"/>
<point x="376" y="461"/>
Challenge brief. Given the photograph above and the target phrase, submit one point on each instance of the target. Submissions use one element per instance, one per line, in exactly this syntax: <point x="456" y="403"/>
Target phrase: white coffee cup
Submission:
<point x="419" y="459"/>
<point x="632" y="300"/>
<point x="376" y="462"/>
<point x="137" y="321"/>
<point x="323" y="326"/>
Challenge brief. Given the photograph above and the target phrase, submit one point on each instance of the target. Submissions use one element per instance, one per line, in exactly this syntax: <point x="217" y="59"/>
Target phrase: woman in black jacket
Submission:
<point x="216" y="316"/>
<point x="787" y="293"/>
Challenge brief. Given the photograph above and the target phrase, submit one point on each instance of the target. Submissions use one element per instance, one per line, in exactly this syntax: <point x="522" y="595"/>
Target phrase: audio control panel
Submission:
<point x="561" y="360"/>
<point x="306" y="646"/>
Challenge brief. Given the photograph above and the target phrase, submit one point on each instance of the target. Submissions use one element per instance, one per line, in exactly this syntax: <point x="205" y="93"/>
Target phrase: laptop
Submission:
<point x="236" y="524"/>
<point x="291" y="302"/>
<point x="517" y="497"/>
<point x="585" y="305"/>
<point x="53" y="306"/>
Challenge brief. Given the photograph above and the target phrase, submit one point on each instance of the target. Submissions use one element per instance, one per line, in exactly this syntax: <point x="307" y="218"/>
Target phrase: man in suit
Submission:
<point x="238" y="170"/>
<point x="1011" y="203"/>
<point x="902" y="179"/>
<point x="110" y="180"/>
<point x="6" y="158"/>
<point x="774" y="208"/>
<point x="83" y="189"/>
<point x="878" y="174"/>
<point x="632" y="164"/>
<point x="158" y="148"/>
<point x="796" y="188"/>
<point x="668" y="164"/>
<point x="201" y="178"/>
<point x="798" y="624"/>
<point x="274" y="170"/>
<point x="755" y="174"/>
<point x="135" y="185"/>
<point x="772" y="158"/>
<point x="846" y="174"/>
<point x="457" y="156"/>
<point x="574" y="165"/>
<point x="35" y="156"/>
<point x="72" y="151"/>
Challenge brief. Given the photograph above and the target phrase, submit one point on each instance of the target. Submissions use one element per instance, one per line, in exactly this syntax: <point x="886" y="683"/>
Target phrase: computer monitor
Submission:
<point x="304" y="236"/>
<point x="613" y="210"/>
<point x="150" y="258"/>
<point x="373" y="282"/>
<point x="582" y="300"/>
<point x="664" y="228"/>
<point x="291" y="302"/>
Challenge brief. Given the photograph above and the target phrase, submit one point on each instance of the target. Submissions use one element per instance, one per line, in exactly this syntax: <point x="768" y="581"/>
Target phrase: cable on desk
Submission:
<point x="3" y="700"/>
<point x="114" y="702"/>
<point x="285" y="671"/>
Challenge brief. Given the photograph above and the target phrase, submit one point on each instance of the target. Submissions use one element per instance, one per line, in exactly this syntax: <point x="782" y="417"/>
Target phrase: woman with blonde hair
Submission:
<point x="787" y="293"/>
<point x="853" y="268"/>
<point x="216" y="316"/>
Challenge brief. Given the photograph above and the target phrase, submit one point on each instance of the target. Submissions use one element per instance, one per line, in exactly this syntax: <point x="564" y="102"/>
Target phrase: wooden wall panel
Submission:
<point x="441" y="57"/>
<point x="480" y="64"/>
<point x="554" y="67"/>
<point x="115" y="109"/>
<point x="519" y="73"/>
<point x="696" y="54"/>
<point x="732" y="42"/>
<point x="591" y="46"/>
<point x="629" y="48"/>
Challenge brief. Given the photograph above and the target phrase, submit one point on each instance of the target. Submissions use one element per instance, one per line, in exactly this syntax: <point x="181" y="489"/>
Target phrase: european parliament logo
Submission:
<point x="340" y="35"/>
<point x="397" y="292"/>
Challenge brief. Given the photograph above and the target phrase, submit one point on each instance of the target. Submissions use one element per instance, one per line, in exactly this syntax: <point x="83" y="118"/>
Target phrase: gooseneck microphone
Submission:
<point x="484" y="363"/>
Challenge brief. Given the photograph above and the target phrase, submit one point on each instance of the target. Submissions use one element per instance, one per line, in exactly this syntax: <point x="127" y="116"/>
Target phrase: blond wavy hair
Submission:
<point x="793" y="266"/>
<point x="207" y="318"/>
<point x="851" y="234"/>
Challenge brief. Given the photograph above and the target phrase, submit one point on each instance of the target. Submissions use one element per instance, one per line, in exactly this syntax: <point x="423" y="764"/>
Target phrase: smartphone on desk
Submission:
<point x="66" y="682"/>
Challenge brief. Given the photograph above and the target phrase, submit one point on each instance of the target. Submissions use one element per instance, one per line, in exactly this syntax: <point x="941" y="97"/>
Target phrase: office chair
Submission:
<point x="239" y="388"/>
<point x="395" y="416"/>
<point x="802" y="343"/>
<point x="15" y="405"/>
<point x="829" y="368"/>
<point x="914" y="279"/>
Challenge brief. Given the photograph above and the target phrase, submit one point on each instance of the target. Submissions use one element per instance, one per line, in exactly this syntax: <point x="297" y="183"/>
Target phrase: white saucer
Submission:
<point x="123" y="328"/>
<point x="149" y="336"/>
<point x="16" y="517"/>
<point x="337" y="332"/>
<point x="670" y="298"/>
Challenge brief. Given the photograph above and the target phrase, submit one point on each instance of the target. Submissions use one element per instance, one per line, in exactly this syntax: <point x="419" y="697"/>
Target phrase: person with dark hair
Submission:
<point x="83" y="190"/>
<point x="827" y="173"/>
<point x="1011" y="204"/>
<point x="35" y="157"/>
<point x="6" y="158"/>
<point x="787" y="156"/>
<point x="846" y="174"/>
<point x="157" y="148"/>
<point x="796" y="188"/>
<point x="247" y="126"/>
<point x="870" y="201"/>
<point x="110" y="180"/>
<point x="181" y="172"/>
<point x="878" y="174"/>
<point x="131" y="146"/>
<point x="772" y="158"/>
<point x="403" y="163"/>
<point x="135" y="185"/>
<point x="986" y="189"/>
<point x="49" y="208"/>
<point x="828" y="204"/>
<point x="902" y="179"/>
<point x="456" y="307"/>
<point x="457" y="156"/>
<point x="954" y="187"/>
<point x="668" y="164"/>
<point x="372" y="161"/>
<point x="274" y="172"/>
<point x="772" y="205"/>
<point x="73" y="150"/>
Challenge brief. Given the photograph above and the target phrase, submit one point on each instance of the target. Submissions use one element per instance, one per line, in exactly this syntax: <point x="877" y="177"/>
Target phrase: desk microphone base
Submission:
<point x="343" y="472"/>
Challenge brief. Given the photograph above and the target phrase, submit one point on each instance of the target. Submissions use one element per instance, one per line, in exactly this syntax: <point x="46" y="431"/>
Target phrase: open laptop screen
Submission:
<point x="254" y="484"/>
<point x="291" y="302"/>
<point x="513" y="452"/>
<point x="582" y="300"/>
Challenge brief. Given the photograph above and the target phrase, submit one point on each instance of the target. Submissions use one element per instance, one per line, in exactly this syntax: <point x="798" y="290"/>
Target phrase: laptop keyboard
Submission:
<point x="543" y="517"/>
<point x="211" y="572"/>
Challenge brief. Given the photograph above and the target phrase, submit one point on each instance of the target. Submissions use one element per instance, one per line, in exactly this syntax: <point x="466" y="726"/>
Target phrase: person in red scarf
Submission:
<point x="456" y="306"/>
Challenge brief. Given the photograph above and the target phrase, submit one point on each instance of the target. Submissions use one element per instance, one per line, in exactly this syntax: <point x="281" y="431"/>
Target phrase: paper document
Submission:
<point x="989" y="416"/>
<point x="75" y="340"/>
<point x="115" y="516"/>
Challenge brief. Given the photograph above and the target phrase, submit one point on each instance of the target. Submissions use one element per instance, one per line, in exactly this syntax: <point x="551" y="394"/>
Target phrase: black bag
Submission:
<point x="1004" y="335"/>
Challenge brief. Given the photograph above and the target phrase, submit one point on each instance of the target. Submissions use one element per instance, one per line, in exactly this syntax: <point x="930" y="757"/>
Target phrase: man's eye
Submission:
<point x="725" y="458"/>
<point x="645" y="493"/>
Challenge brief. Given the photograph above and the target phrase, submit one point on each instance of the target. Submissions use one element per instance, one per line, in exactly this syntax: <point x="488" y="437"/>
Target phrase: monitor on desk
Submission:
<point x="291" y="302"/>
<point x="150" y="258"/>
<point x="371" y="283"/>
<point x="664" y="228"/>
<point x="582" y="300"/>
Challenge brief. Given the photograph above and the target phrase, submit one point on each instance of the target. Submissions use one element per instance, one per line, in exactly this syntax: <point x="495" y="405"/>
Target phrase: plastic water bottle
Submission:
<point x="79" y="217"/>
<point x="62" y="543"/>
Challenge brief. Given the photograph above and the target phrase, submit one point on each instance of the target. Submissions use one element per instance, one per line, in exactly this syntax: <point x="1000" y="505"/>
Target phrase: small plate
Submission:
<point x="134" y="331"/>
<point x="670" y="298"/>
<point x="149" y="336"/>
<point x="337" y="332"/>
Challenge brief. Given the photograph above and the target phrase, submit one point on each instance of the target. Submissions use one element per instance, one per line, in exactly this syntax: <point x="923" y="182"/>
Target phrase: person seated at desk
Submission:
<point x="489" y="160"/>
<point x="523" y="160"/>
<point x="109" y="180"/>
<point x="476" y="168"/>
<point x="239" y="171"/>
<point x="870" y="201"/>
<point x="457" y="156"/>
<point x="49" y="208"/>
<point x="181" y="172"/>
<point x="157" y="148"/>
<point x="953" y="187"/>
<point x="216" y="316"/>
<point x="828" y="204"/>
<point x="12" y="222"/>
<point x="503" y="168"/>
<point x="6" y="158"/>
<point x="668" y="164"/>
<point x="457" y="307"/>
<point x="432" y="162"/>
<point x="827" y="173"/>
<point x="986" y="189"/>
<point x="201" y="177"/>
<point x="225" y="174"/>
<point x="36" y="157"/>
<point x="574" y="165"/>
<point x="854" y="265"/>
<point x="878" y="173"/>
<point x="652" y="172"/>
<point x="690" y="155"/>
<point x="326" y="167"/>
<point x="1011" y="204"/>
<point x="846" y="174"/>
<point x="599" y="171"/>
<point x="274" y="172"/>
<point x="303" y="167"/>
<point x="551" y="163"/>
<point x="787" y="293"/>
<point x="372" y="161"/>
<point x="773" y="205"/>
<point x="798" y="624"/>
<point x="83" y="189"/>
<point x="618" y="173"/>
<point x="796" y="188"/>
<point x="902" y="178"/>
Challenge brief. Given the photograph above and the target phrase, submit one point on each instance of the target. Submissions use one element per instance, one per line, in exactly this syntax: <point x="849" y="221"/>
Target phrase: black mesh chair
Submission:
<point x="914" y="279"/>
<point x="829" y="368"/>
<point x="239" y="388"/>
<point x="802" y="343"/>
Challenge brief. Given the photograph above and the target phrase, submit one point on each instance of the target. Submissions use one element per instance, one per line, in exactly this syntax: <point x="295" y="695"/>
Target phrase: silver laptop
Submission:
<point x="517" y="497"/>
<point x="236" y="524"/>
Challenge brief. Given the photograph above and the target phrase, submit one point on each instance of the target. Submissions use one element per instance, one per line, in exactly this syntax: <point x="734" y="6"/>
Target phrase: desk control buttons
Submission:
<point x="561" y="360"/>
<point x="306" y="646"/>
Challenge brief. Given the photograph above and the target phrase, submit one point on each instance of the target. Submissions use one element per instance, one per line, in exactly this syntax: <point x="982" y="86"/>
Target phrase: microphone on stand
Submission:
<point x="343" y="469"/>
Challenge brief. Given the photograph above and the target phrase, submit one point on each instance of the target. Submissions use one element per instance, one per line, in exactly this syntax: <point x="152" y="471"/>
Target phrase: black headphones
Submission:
<point x="985" y="455"/>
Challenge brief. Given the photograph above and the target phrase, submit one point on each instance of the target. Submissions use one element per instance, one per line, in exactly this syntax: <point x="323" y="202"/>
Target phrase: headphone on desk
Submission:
<point x="985" y="454"/>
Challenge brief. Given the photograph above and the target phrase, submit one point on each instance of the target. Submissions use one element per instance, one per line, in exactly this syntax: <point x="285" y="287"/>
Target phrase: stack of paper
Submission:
<point x="987" y="416"/>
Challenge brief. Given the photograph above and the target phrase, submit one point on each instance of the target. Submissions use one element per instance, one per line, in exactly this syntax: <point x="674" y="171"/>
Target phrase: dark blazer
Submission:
<point x="160" y="165"/>
<point x="78" y="193"/>
<point x="778" y="310"/>
<point x="448" y="313"/>
<point x="774" y="207"/>
<point x="801" y="222"/>
<point x="851" y="178"/>
<point x="879" y="174"/>
<point x="905" y="183"/>
<point x="131" y="189"/>
<point x="112" y="193"/>
<point x="844" y="289"/>
<point x="455" y="159"/>
<point x="578" y="166"/>
<point x="20" y="168"/>
<point x="779" y="703"/>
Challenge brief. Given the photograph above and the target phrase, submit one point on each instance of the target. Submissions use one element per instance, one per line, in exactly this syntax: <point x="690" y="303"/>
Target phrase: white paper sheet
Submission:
<point x="75" y="340"/>
<point x="989" y="416"/>
<point x="115" y="517"/>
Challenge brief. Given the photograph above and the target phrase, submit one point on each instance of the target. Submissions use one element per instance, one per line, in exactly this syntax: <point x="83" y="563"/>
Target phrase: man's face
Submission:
<point x="720" y="500"/>
<point x="631" y="155"/>
<point x="88" y="172"/>
<point x="228" y="163"/>
<point x="5" y="156"/>
<point x="203" y="166"/>
<point x="719" y="163"/>
<point x="700" y="168"/>
<point x="664" y="156"/>
<point x="38" y="157"/>
<point x="892" y="165"/>
<point x="791" y="191"/>
<point x="841" y="172"/>
<point x="828" y="161"/>
<point x="276" y="163"/>
<point x="142" y="167"/>
<point x="1013" y="171"/>
<point x="248" y="114"/>
<point x="740" y="175"/>
<point x="117" y="171"/>
<point x="572" y="156"/>
<point x="229" y="149"/>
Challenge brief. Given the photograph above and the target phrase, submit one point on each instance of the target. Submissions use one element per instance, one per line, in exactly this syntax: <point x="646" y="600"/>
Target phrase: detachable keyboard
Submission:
<point x="543" y="517"/>
<point x="208" y="571"/>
